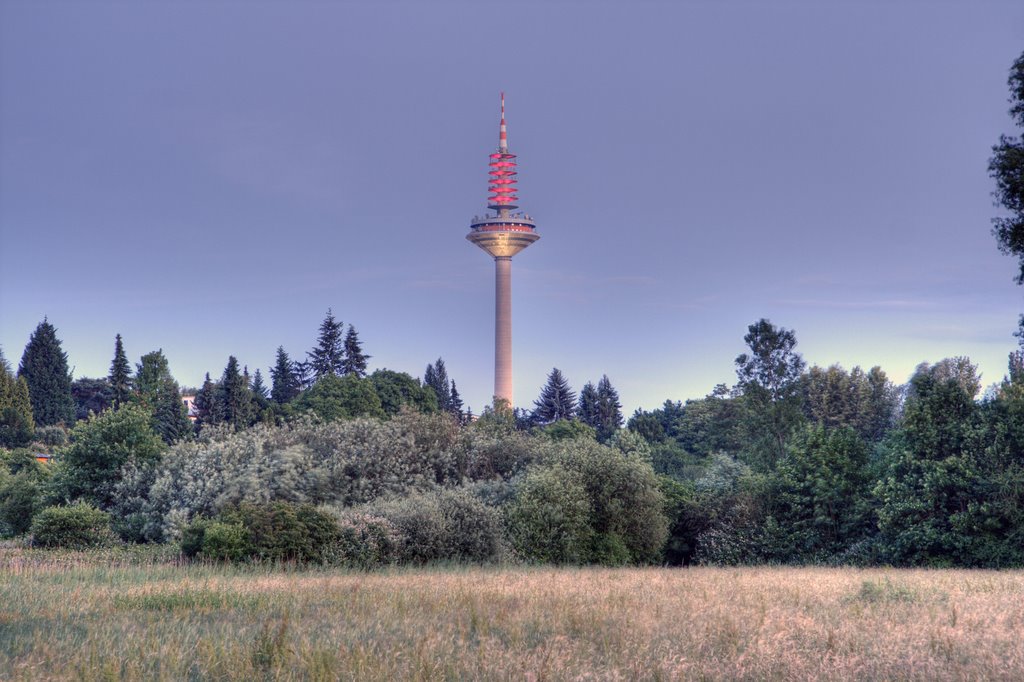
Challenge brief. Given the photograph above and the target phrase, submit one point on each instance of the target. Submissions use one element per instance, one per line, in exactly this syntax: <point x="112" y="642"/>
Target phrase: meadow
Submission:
<point x="91" y="617"/>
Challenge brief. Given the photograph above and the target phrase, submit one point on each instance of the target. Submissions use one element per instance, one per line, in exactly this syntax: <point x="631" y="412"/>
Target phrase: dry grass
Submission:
<point x="79" y="618"/>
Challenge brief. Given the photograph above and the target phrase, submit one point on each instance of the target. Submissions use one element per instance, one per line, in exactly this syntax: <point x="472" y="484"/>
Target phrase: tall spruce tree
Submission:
<point x="206" y="403"/>
<point x="355" y="358"/>
<point x="556" y="401"/>
<point x="328" y="357"/>
<point x="16" y="423"/>
<point x="120" y="376"/>
<point x="588" y="411"/>
<point x="455" y="404"/>
<point x="260" y="397"/>
<point x="436" y="377"/>
<point x="285" y="382"/>
<point x="45" y="369"/>
<point x="609" y="409"/>
<point x="157" y="390"/>
<point x="234" y="399"/>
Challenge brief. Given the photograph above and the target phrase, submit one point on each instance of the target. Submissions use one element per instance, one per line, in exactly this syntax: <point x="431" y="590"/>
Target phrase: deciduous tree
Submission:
<point x="1007" y="168"/>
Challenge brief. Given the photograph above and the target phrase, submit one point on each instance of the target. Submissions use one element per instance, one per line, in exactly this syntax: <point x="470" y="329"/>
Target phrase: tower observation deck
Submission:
<point x="503" y="235"/>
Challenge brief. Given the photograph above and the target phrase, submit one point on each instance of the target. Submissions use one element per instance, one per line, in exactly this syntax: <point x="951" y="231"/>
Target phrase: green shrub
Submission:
<point x="192" y="536"/>
<point x="549" y="520"/>
<point x="446" y="525"/>
<point x="366" y="541"/>
<point x="225" y="542"/>
<point x="78" y="526"/>
<point x="19" y="500"/>
<point x="589" y="504"/>
<point x="53" y="436"/>
<point x="279" y="531"/>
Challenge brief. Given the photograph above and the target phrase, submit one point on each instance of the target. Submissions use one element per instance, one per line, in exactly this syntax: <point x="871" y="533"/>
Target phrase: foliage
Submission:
<point x="556" y="401"/>
<point x="328" y="357"/>
<point x="233" y="398"/>
<point x="91" y="396"/>
<point x="930" y="477"/>
<point x="120" y="378"/>
<point x="436" y="379"/>
<point x="17" y="426"/>
<point x="78" y="526"/>
<point x="285" y="382"/>
<point x="158" y="392"/>
<point x="355" y="359"/>
<point x="91" y="466"/>
<point x="836" y="398"/>
<point x="568" y="429"/>
<point x="274" y="532"/>
<point x="20" y="498"/>
<point x="366" y="541"/>
<point x="207" y="410"/>
<point x="44" y="367"/>
<point x="600" y="408"/>
<point x="396" y="389"/>
<point x="342" y="463"/>
<point x="822" y="495"/>
<point x="444" y="525"/>
<point x="1006" y="167"/>
<point x="768" y="378"/>
<point x="333" y="397"/>
<point x="589" y="504"/>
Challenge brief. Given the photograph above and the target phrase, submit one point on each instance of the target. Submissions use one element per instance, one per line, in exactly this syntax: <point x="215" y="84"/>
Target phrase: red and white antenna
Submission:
<point x="503" y="170"/>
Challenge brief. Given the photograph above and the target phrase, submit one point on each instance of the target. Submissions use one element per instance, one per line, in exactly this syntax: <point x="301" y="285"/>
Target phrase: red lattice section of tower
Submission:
<point x="503" y="180"/>
<point x="503" y="170"/>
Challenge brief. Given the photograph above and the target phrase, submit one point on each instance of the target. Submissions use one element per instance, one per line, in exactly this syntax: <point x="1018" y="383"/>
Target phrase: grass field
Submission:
<point x="69" y="616"/>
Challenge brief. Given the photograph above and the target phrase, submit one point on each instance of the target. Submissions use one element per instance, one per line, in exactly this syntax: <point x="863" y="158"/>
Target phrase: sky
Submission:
<point x="208" y="178"/>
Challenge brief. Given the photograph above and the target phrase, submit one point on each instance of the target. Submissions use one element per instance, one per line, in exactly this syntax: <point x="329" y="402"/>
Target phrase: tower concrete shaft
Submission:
<point x="502" y="236"/>
<point x="503" y="328"/>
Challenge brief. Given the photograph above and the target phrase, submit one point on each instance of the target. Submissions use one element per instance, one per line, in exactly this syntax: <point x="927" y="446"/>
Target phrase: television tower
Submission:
<point x="503" y="235"/>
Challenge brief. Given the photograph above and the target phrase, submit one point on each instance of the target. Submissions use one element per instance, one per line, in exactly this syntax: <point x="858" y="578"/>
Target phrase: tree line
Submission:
<point x="329" y="464"/>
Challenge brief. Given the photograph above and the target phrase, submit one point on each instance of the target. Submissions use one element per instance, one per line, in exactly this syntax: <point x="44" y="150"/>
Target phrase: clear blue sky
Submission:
<point x="209" y="177"/>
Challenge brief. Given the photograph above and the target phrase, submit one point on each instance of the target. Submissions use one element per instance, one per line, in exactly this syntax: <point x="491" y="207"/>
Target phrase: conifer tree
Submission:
<point x="329" y="355"/>
<point x="206" y="403"/>
<point x="120" y="375"/>
<point x="234" y="399"/>
<point x="436" y="377"/>
<point x="259" y="391"/>
<point x="285" y="382"/>
<point x="16" y="423"/>
<point x="455" y="404"/>
<point x="588" y="408"/>
<point x="556" y="401"/>
<point x="157" y="390"/>
<point x="609" y="409"/>
<point x="45" y="369"/>
<point x="355" y="359"/>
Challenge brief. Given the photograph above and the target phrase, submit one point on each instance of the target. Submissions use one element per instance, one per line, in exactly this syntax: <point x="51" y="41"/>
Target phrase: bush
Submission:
<point x="100" y="447"/>
<point x="277" y="532"/>
<point x="446" y="525"/>
<point x="590" y="504"/>
<point x="19" y="500"/>
<point x="79" y="526"/>
<point x="53" y="436"/>
<point x="549" y="520"/>
<point x="366" y="541"/>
